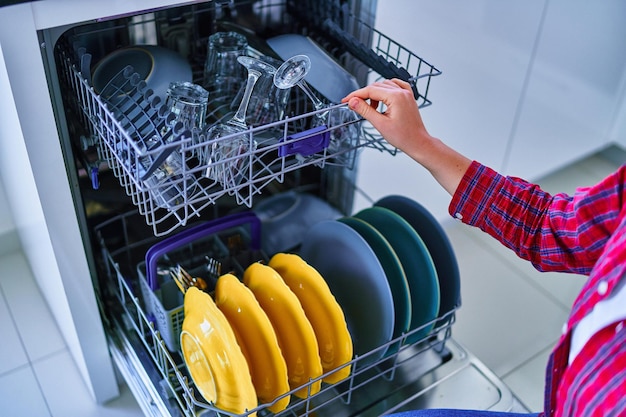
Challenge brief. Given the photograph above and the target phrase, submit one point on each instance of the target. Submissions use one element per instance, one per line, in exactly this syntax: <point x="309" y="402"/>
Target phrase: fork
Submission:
<point x="213" y="267"/>
<point x="184" y="281"/>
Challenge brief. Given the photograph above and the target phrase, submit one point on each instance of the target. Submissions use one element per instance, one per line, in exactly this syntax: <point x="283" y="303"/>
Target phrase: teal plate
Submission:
<point x="439" y="247"/>
<point x="393" y="271"/>
<point x="417" y="264"/>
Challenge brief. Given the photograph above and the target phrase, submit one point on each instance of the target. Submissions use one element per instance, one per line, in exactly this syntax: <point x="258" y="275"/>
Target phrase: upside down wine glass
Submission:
<point x="228" y="159"/>
<point x="344" y="131"/>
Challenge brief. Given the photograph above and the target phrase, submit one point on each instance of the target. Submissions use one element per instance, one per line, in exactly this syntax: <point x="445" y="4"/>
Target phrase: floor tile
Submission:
<point x="561" y="288"/>
<point x="504" y="320"/>
<point x="527" y="381"/>
<point x="33" y="319"/>
<point x="20" y="394"/>
<point x="12" y="354"/>
<point x="71" y="398"/>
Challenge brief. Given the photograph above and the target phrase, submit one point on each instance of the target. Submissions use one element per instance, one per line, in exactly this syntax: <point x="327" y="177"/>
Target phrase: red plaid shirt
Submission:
<point x="584" y="233"/>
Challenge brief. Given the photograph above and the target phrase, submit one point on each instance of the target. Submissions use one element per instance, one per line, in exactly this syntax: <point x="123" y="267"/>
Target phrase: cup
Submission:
<point x="188" y="103"/>
<point x="223" y="75"/>
<point x="170" y="185"/>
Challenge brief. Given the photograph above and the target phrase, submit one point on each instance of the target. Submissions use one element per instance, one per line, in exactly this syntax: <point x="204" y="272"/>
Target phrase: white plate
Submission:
<point x="357" y="280"/>
<point x="326" y="75"/>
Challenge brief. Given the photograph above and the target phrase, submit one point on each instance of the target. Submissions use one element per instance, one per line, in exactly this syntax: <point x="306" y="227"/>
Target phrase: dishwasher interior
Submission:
<point x="117" y="137"/>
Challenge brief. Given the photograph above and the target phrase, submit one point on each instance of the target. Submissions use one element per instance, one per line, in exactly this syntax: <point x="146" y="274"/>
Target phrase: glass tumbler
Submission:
<point x="188" y="103"/>
<point x="223" y="75"/>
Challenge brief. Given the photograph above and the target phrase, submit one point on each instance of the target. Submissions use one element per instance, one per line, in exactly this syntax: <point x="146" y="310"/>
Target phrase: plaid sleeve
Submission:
<point x="556" y="233"/>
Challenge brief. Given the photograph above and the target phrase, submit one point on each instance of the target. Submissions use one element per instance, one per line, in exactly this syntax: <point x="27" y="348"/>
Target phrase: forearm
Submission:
<point x="445" y="164"/>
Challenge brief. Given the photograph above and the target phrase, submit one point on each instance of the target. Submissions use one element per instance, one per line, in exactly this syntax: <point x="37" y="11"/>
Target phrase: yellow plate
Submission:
<point x="322" y="310"/>
<point x="213" y="357"/>
<point x="257" y="340"/>
<point x="296" y="337"/>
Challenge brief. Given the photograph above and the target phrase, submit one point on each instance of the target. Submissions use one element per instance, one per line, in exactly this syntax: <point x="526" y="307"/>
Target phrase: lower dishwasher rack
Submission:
<point x="433" y="372"/>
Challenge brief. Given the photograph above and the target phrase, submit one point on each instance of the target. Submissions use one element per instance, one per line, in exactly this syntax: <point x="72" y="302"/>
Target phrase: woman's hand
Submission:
<point x="401" y="125"/>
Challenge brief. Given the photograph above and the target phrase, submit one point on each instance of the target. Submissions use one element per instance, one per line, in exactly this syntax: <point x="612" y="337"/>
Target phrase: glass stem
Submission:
<point x="239" y="118"/>
<point x="317" y="103"/>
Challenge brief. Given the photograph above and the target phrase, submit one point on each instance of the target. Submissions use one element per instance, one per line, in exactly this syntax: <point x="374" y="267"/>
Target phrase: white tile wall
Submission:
<point x="574" y="88"/>
<point x="527" y="88"/>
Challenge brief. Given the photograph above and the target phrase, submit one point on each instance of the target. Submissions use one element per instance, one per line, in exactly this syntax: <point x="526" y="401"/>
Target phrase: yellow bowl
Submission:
<point x="213" y="357"/>
<point x="257" y="339"/>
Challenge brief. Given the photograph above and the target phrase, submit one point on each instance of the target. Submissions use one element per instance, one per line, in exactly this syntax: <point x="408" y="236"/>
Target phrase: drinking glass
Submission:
<point x="345" y="131"/>
<point x="228" y="159"/>
<point x="268" y="103"/>
<point x="222" y="73"/>
<point x="170" y="184"/>
<point x="188" y="103"/>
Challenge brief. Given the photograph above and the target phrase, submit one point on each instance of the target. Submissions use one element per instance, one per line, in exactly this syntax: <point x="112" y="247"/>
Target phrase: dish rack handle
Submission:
<point x="197" y="232"/>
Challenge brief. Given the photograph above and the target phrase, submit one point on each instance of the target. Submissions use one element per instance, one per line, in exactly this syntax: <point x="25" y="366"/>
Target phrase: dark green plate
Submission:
<point x="417" y="264"/>
<point x="393" y="271"/>
<point x="438" y="244"/>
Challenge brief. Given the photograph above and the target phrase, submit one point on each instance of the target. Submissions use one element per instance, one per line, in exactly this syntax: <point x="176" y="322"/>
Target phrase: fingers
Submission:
<point x="382" y="91"/>
<point x="366" y="110"/>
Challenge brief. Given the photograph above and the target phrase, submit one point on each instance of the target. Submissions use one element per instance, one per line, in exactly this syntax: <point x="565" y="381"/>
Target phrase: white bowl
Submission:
<point x="157" y="66"/>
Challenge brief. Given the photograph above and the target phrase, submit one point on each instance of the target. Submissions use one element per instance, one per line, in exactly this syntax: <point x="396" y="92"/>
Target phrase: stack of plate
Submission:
<point x="392" y="270"/>
<point x="279" y="332"/>
<point x="363" y="285"/>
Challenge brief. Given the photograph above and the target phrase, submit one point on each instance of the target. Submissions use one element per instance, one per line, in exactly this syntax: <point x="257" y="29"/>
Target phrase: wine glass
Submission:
<point x="341" y="121"/>
<point x="228" y="158"/>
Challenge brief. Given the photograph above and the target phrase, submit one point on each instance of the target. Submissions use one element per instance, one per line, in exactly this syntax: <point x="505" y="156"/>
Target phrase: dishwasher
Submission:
<point x="130" y="222"/>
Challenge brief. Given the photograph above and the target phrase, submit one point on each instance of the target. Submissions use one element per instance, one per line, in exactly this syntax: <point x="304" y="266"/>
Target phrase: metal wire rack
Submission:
<point x="158" y="165"/>
<point x="372" y="369"/>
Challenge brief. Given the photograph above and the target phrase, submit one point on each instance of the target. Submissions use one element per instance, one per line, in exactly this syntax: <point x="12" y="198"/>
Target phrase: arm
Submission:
<point x="401" y="125"/>
<point x="557" y="233"/>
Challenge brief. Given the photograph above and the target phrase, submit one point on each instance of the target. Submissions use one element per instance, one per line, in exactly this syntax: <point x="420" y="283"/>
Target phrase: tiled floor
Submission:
<point x="510" y="318"/>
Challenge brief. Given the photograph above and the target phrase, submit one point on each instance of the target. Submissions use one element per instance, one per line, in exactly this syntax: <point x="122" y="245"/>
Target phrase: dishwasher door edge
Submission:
<point x="134" y="373"/>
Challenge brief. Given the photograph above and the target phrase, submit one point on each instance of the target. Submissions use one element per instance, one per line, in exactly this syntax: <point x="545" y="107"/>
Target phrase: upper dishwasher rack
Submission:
<point x="135" y="153"/>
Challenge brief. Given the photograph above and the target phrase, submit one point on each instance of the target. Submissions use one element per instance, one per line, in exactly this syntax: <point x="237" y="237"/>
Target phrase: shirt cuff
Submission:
<point x="474" y="195"/>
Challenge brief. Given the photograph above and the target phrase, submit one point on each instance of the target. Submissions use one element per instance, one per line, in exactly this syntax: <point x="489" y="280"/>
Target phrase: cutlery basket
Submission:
<point x="234" y="241"/>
